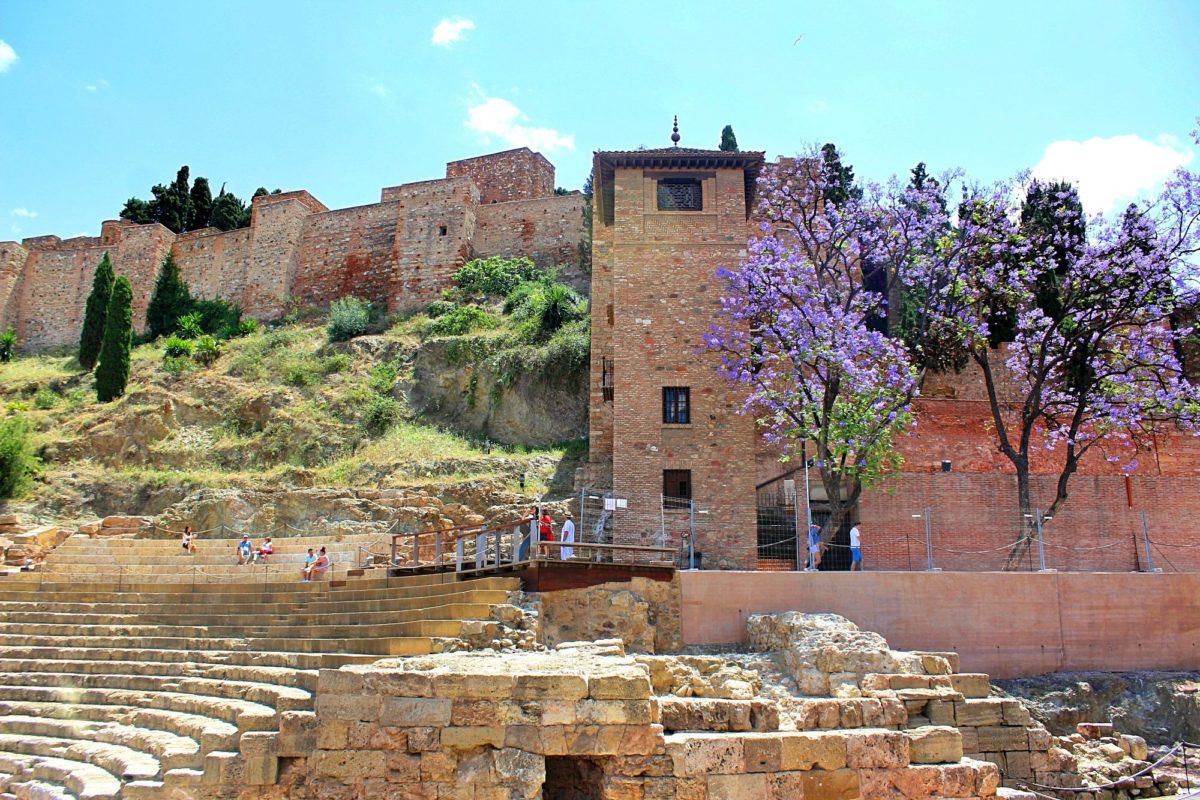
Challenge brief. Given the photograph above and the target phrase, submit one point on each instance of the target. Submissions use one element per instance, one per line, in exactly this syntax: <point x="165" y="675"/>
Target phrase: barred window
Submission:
<point x="677" y="405"/>
<point x="677" y="484"/>
<point x="680" y="194"/>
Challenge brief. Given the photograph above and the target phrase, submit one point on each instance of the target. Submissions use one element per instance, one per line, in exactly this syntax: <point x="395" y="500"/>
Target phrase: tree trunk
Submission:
<point x="1026" y="524"/>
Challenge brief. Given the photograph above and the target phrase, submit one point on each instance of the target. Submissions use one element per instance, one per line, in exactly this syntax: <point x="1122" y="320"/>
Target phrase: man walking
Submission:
<point x="856" y="561"/>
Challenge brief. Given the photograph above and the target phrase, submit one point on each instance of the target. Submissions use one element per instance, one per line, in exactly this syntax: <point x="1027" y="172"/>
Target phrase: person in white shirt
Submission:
<point x="568" y="537"/>
<point x="856" y="561"/>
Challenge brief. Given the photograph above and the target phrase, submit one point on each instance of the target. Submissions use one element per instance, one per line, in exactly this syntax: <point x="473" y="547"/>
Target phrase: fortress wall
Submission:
<point x="548" y="230"/>
<point x="519" y="174"/>
<point x="138" y="257"/>
<point x="277" y="226"/>
<point x="347" y="252"/>
<point x="12" y="270"/>
<point x="58" y="278"/>
<point x="215" y="263"/>
<point x="433" y="238"/>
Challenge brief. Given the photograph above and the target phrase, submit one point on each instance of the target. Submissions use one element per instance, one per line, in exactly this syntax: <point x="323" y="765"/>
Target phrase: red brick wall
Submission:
<point x="548" y="230"/>
<point x="657" y="270"/>
<point x="519" y="174"/>
<point x="12" y="269"/>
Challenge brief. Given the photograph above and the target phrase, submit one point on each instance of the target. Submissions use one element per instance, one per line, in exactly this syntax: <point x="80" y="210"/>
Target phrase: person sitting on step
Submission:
<point x="320" y="566"/>
<point x="264" y="550"/>
<point x="309" y="560"/>
<point x="245" y="550"/>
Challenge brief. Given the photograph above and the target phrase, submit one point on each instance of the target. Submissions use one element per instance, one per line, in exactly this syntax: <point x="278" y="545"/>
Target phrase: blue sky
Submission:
<point x="100" y="101"/>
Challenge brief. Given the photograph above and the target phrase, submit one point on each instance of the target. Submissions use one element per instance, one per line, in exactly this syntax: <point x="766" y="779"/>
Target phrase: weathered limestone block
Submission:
<point x="971" y="684"/>
<point x="411" y="712"/>
<point x="348" y="764"/>
<point x="876" y="749"/>
<point x="1094" y="730"/>
<point x="840" y="784"/>
<point x="1002" y="738"/>
<point x="934" y="745"/>
<point x="705" y="753"/>
<point x="807" y="751"/>
<point x="989" y="711"/>
<point x="737" y="787"/>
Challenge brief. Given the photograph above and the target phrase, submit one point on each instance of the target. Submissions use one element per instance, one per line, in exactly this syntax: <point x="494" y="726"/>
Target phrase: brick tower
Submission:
<point x="664" y="426"/>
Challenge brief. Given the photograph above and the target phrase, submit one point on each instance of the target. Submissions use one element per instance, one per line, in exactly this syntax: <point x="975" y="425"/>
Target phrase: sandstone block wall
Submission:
<point x="398" y="252"/>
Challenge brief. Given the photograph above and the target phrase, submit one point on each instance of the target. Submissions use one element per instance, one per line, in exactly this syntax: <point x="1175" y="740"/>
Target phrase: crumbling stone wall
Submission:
<point x="644" y="613"/>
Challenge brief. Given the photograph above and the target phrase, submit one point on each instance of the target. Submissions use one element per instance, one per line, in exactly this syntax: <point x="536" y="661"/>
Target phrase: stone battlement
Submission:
<point x="399" y="252"/>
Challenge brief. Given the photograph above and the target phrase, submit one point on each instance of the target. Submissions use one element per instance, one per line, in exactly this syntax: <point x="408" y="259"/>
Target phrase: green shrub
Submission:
<point x="169" y="301"/>
<point x="348" y="317"/>
<point x="383" y="378"/>
<point x="76" y="398"/>
<point x="208" y="350"/>
<point x="380" y="414"/>
<point x="440" y="307"/>
<point x="178" y="347"/>
<point x="190" y="327"/>
<point x="8" y="345"/>
<point x="178" y="365"/>
<point x="17" y="461"/>
<point x="462" y="319"/>
<point x="339" y="362"/>
<point x="218" y="316"/>
<point x="300" y="373"/>
<point x="246" y="327"/>
<point x="493" y="277"/>
<point x="45" y="399"/>
<point x="546" y="306"/>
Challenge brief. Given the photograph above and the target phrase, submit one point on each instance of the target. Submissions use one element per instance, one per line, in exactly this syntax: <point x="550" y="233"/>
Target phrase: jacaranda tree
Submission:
<point x="796" y="331"/>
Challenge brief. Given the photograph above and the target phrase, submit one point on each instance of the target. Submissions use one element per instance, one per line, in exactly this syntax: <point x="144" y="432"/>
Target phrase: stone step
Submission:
<point x="39" y="790"/>
<point x="81" y="780"/>
<point x="354" y="589"/>
<point x="443" y="623"/>
<point x="50" y="609"/>
<point x="169" y="749"/>
<point x="828" y="713"/>
<point x="418" y="643"/>
<point x="247" y="716"/>
<point x="117" y="760"/>
<point x="281" y="676"/>
<point x="306" y="661"/>
<point x="280" y="698"/>
<point x="424" y="608"/>
<point x="211" y="734"/>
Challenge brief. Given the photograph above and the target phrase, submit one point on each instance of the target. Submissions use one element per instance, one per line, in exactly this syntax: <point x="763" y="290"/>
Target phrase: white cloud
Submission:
<point x="24" y="212"/>
<point x="1114" y="170"/>
<point x="379" y="90"/>
<point x="495" y="117"/>
<point x="97" y="86"/>
<point x="451" y="30"/>
<point x="7" y="56"/>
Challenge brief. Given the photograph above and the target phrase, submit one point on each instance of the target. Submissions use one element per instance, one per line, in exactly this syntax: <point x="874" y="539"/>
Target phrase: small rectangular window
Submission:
<point x="680" y="194"/>
<point x="677" y="405"/>
<point x="442" y="230"/>
<point x="677" y="484"/>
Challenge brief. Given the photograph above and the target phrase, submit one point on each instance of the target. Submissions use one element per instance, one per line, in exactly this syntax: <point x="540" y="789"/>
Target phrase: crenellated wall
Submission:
<point x="401" y="251"/>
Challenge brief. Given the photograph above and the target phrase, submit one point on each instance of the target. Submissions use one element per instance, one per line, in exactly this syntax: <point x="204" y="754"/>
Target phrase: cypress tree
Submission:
<point x="113" y="372"/>
<point x="95" y="313"/>
<point x="202" y="203"/>
<point x="728" y="140"/>
<point x="170" y="300"/>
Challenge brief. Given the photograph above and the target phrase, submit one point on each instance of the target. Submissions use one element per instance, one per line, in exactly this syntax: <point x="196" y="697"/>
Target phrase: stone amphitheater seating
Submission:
<point x="114" y="689"/>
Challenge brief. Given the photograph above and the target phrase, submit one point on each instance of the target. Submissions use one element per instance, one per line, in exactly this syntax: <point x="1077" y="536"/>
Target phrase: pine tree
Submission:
<point x="113" y="372"/>
<point x="202" y="204"/>
<point x="170" y="300"/>
<point x="229" y="212"/>
<point x="728" y="140"/>
<point x="95" y="313"/>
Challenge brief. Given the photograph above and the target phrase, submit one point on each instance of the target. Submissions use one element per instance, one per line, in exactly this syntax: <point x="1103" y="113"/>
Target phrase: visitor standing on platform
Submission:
<point x="568" y="537"/>
<point x="856" y="561"/>
<point x="545" y="531"/>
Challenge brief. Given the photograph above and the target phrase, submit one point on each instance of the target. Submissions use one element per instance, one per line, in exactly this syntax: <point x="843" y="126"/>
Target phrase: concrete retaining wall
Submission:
<point x="1005" y="624"/>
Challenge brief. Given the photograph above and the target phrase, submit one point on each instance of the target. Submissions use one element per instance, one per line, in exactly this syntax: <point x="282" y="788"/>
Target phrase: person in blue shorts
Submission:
<point x="856" y="562"/>
<point x="814" y="547"/>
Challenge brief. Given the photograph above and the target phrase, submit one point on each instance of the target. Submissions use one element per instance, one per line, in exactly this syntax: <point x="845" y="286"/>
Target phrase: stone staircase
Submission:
<point x="127" y="560"/>
<point x="130" y="691"/>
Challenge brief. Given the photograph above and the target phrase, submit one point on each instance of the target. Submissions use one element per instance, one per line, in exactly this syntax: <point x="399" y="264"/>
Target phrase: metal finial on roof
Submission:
<point x="675" y="131"/>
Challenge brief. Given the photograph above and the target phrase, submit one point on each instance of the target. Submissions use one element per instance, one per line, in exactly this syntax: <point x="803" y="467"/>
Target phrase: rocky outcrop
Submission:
<point x="644" y="613"/>
<point x="533" y="410"/>
<point x="1162" y="707"/>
